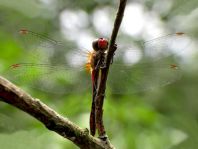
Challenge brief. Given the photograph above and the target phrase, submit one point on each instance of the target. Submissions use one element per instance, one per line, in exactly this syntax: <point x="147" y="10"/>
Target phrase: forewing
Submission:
<point x="168" y="45"/>
<point x="49" y="65"/>
<point x="158" y="48"/>
<point x="151" y="66"/>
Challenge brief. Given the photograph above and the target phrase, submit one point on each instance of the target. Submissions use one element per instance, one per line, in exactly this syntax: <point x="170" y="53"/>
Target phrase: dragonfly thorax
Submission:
<point x="97" y="59"/>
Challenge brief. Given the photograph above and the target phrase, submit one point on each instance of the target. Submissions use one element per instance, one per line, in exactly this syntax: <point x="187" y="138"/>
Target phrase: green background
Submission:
<point x="164" y="118"/>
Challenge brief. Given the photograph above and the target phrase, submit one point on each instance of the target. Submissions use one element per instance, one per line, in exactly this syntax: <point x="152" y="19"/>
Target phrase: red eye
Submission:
<point x="102" y="43"/>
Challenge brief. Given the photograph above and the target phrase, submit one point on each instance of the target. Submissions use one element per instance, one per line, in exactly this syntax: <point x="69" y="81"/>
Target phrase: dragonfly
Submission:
<point x="49" y="66"/>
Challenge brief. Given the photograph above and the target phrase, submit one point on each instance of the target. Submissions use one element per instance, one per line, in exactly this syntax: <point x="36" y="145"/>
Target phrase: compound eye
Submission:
<point x="102" y="43"/>
<point x="95" y="45"/>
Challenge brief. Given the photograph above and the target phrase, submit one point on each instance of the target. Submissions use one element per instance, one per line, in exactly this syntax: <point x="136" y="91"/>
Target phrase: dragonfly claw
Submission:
<point x="103" y="66"/>
<point x="114" y="48"/>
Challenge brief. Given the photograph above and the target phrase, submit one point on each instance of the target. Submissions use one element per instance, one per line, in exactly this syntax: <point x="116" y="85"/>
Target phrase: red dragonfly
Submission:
<point x="48" y="66"/>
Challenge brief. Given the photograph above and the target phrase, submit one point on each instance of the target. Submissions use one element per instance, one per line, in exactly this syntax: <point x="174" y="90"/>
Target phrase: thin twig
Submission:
<point x="16" y="97"/>
<point x="104" y="73"/>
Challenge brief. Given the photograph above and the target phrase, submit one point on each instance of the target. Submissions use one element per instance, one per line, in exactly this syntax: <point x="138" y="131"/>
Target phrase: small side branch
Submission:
<point x="102" y="86"/>
<point x="14" y="96"/>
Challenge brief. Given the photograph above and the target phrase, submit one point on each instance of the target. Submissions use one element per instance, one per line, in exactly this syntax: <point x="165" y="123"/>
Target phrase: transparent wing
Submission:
<point x="42" y="48"/>
<point x="142" y="76"/>
<point x="30" y="37"/>
<point x="168" y="45"/>
<point x="158" y="48"/>
<point x="50" y="78"/>
<point x="36" y="46"/>
<point x="49" y="66"/>
<point x="151" y="66"/>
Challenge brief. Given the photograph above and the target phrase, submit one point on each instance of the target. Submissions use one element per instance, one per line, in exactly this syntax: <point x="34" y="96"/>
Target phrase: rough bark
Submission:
<point x="16" y="97"/>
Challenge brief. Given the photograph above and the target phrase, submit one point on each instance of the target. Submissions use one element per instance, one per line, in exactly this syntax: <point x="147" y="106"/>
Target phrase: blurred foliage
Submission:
<point x="164" y="118"/>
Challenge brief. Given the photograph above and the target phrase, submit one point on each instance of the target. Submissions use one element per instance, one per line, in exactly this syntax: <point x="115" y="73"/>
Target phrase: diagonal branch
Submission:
<point x="104" y="73"/>
<point x="16" y="97"/>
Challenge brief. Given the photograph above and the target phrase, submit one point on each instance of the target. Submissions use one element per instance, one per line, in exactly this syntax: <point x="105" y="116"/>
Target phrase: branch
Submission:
<point x="16" y="97"/>
<point x="104" y="72"/>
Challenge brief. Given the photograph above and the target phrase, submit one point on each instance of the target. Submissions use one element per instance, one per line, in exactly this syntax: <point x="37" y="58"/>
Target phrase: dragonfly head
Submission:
<point x="100" y="44"/>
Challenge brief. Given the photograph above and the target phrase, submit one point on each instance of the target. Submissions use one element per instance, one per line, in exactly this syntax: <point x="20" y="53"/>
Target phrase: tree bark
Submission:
<point x="16" y="97"/>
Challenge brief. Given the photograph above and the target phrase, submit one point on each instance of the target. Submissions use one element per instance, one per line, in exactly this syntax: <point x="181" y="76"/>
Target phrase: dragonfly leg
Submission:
<point x="103" y="63"/>
<point x="95" y="89"/>
<point x="103" y="95"/>
<point x="112" y="59"/>
<point x="114" y="48"/>
<point x="98" y="65"/>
